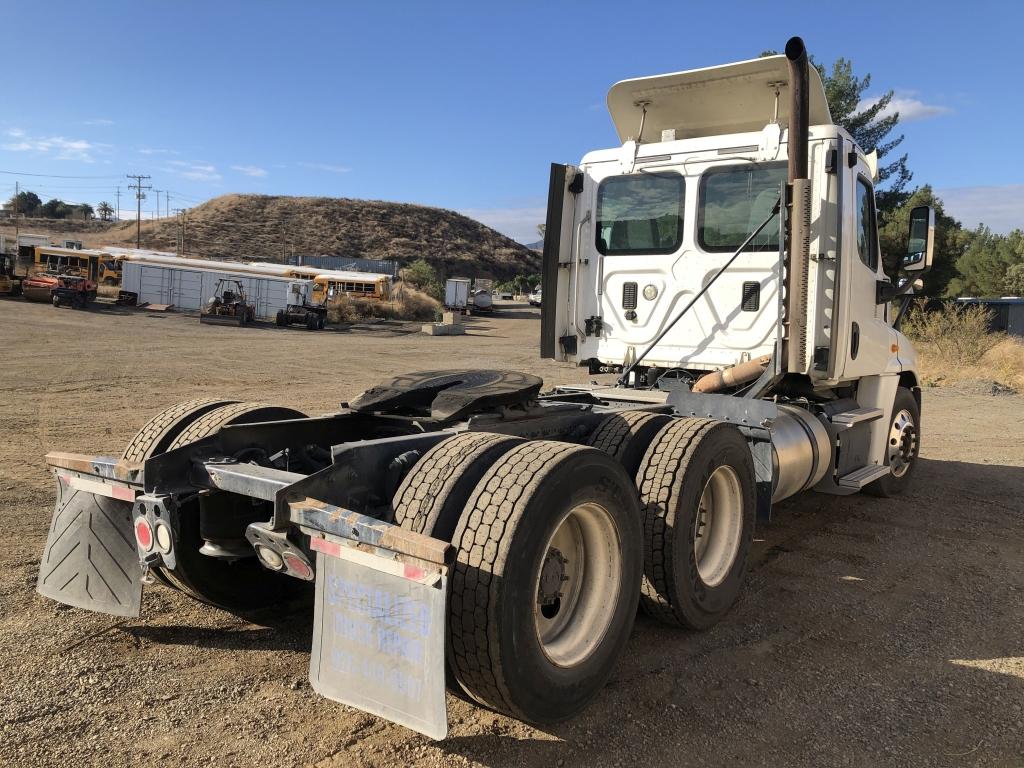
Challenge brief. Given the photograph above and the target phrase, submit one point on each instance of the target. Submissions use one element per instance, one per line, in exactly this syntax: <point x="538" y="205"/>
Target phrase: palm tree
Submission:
<point x="105" y="210"/>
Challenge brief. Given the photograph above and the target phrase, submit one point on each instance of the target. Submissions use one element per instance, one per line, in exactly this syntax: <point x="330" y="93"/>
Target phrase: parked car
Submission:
<point x="534" y="298"/>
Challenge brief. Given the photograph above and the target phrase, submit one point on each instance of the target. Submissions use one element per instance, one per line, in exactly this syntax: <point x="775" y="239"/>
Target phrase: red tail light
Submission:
<point x="144" y="534"/>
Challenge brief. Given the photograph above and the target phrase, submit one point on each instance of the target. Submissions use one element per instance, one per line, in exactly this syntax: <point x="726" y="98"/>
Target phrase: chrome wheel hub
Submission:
<point x="902" y="447"/>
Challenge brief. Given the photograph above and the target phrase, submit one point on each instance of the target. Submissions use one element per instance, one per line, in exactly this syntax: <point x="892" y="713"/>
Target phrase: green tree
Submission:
<point x="871" y="130"/>
<point x="984" y="265"/>
<point x="84" y="210"/>
<point x="423" y="277"/>
<point x="25" y="203"/>
<point x="1013" y="283"/>
<point x="105" y="211"/>
<point x="951" y="240"/>
<point x="54" y="209"/>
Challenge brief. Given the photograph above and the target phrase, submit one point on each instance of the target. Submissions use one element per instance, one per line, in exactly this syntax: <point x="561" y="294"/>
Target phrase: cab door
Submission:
<point x="865" y="337"/>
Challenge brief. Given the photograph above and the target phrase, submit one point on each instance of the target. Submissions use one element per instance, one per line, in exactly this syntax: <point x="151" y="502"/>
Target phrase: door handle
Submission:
<point x="854" y="341"/>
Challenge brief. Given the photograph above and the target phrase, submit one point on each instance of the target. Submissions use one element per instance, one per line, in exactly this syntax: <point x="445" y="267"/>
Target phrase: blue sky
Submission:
<point x="454" y="104"/>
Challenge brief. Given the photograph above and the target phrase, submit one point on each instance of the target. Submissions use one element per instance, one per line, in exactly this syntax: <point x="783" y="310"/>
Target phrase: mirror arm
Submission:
<point x="886" y="291"/>
<point x="908" y="299"/>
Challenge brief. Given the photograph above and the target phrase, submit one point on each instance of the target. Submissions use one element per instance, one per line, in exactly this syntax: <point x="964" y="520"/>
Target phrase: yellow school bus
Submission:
<point x="77" y="262"/>
<point x="328" y="286"/>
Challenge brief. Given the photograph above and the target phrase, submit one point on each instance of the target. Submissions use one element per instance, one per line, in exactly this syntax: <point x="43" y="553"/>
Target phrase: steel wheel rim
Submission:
<point x="718" y="526"/>
<point x="902" y="447"/>
<point x="582" y="562"/>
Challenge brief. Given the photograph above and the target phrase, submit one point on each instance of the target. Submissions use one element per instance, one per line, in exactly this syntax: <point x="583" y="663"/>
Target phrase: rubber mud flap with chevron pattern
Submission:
<point x="90" y="560"/>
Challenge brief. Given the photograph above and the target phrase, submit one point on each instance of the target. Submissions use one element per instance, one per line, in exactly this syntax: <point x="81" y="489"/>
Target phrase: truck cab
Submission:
<point x="733" y="232"/>
<point x="647" y="224"/>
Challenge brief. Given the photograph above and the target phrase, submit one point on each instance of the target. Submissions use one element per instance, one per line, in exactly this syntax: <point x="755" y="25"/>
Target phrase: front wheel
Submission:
<point x="903" y="442"/>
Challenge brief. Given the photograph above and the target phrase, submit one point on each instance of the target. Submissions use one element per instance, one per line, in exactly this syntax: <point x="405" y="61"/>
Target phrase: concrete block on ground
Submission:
<point x="444" y="329"/>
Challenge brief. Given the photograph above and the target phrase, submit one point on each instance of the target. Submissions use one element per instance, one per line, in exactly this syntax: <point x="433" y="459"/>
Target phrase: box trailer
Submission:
<point x="456" y="293"/>
<point x="189" y="283"/>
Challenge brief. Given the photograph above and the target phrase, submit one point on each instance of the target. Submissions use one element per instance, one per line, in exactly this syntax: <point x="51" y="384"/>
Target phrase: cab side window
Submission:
<point x="867" y="235"/>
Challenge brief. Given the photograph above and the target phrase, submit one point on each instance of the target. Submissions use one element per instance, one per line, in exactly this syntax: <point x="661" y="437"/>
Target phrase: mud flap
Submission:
<point x="378" y="637"/>
<point x="90" y="560"/>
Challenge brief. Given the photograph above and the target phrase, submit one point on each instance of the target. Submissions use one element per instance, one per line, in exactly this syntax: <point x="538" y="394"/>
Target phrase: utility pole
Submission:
<point x="118" y="203"/>
<point x="17" y="229"/>
<point x="139" y="197"/>
<point x="181" y="229"/>
<point x="158" y="191"/>
<point x="167" y="205"/>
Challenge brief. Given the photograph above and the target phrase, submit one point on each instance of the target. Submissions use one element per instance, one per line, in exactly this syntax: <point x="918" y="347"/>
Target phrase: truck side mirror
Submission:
<point x="921" y="240"/>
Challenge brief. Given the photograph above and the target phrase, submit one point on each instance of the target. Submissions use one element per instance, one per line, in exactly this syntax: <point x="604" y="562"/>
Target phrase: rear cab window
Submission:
<point x="734" y="200"/>
<point x="640" y="214"/>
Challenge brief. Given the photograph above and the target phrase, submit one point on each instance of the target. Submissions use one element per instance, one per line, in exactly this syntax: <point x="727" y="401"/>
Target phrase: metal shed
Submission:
<point x="1007" y="312"/>
<point x="189" y="283"/>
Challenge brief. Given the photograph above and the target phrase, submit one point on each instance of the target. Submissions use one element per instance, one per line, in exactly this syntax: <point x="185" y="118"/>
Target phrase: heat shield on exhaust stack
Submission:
<point x="796" y="277"/>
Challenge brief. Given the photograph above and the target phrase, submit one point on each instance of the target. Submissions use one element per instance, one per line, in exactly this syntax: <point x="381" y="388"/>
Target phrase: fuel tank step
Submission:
<point x="864" y="476"/>
<point x="848" y="419"/>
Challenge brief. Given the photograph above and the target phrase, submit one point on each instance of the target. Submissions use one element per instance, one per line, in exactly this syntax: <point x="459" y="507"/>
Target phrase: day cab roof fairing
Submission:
<point x="731" y="98"/>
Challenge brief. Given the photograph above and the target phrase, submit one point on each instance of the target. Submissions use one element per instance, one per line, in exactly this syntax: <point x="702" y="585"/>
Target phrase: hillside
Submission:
<point x="270" y="228"/>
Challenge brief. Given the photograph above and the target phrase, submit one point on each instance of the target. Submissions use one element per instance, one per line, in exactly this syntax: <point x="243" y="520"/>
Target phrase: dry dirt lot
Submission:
<point x="872" y="632"/>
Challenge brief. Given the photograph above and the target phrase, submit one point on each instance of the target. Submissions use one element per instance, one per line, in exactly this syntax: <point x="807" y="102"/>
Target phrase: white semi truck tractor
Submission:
<point x="464" y="530"/>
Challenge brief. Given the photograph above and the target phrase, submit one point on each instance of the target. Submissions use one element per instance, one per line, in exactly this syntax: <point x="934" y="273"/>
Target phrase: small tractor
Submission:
<point x="301" y="309"/>
<point x="10" y="283"/>
<point x="466" y="528"/>
<point x="73" y="290"/>
<point x="228" y="305"/>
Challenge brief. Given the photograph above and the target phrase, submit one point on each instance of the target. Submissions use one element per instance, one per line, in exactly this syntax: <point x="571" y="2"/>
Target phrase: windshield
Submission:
<point x="642" y="213"/>
<point x="734" y="201"/>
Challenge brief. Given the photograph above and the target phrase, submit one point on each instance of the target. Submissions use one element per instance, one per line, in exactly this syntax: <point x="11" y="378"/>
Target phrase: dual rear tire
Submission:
<point x="544" y="589"/>
<point x="239" y="586"/>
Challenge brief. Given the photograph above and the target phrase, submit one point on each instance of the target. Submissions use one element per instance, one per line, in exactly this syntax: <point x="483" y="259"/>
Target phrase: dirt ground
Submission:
<point x="871" y="632"/>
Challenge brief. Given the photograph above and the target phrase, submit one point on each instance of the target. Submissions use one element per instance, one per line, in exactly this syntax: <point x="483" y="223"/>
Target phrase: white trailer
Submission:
<point x="189" y="283"/>
<point x="456" y="293"/>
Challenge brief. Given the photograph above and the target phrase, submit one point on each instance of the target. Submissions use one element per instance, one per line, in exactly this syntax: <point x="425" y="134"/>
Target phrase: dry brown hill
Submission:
<point x="270" y="228"/>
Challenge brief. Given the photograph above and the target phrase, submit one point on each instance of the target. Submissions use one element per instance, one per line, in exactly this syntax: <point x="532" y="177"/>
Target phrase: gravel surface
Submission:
<point x="871" y="632"/>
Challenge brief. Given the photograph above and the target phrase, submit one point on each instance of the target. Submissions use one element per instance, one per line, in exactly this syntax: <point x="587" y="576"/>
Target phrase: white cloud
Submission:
<point x="908" y="106"/>
<point x="98" y="121"/>
<point x="149" y="151"/>
<point x="195" y="171"/>
<point x="60" y="147"/>
<point x="250" y="170"/>
<point x="518" y="223"/>
<point x="1001" y="208"/>
<point x="326" y="167"/>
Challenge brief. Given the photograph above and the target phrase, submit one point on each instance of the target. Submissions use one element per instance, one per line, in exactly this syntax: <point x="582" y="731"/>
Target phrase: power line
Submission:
<point x="54" y="176"/>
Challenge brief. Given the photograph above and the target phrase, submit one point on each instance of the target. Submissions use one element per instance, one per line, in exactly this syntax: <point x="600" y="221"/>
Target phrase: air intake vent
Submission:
<point x="629" y="296"/>
<point x="751" y="296"/>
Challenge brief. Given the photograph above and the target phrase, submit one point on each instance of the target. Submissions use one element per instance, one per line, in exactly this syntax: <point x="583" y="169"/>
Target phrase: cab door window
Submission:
<point x="867" y="234"/>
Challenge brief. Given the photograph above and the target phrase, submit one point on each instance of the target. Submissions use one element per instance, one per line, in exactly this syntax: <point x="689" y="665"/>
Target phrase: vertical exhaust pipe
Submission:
<point x="798" y="240"/>
<point x="799" y="108"/>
